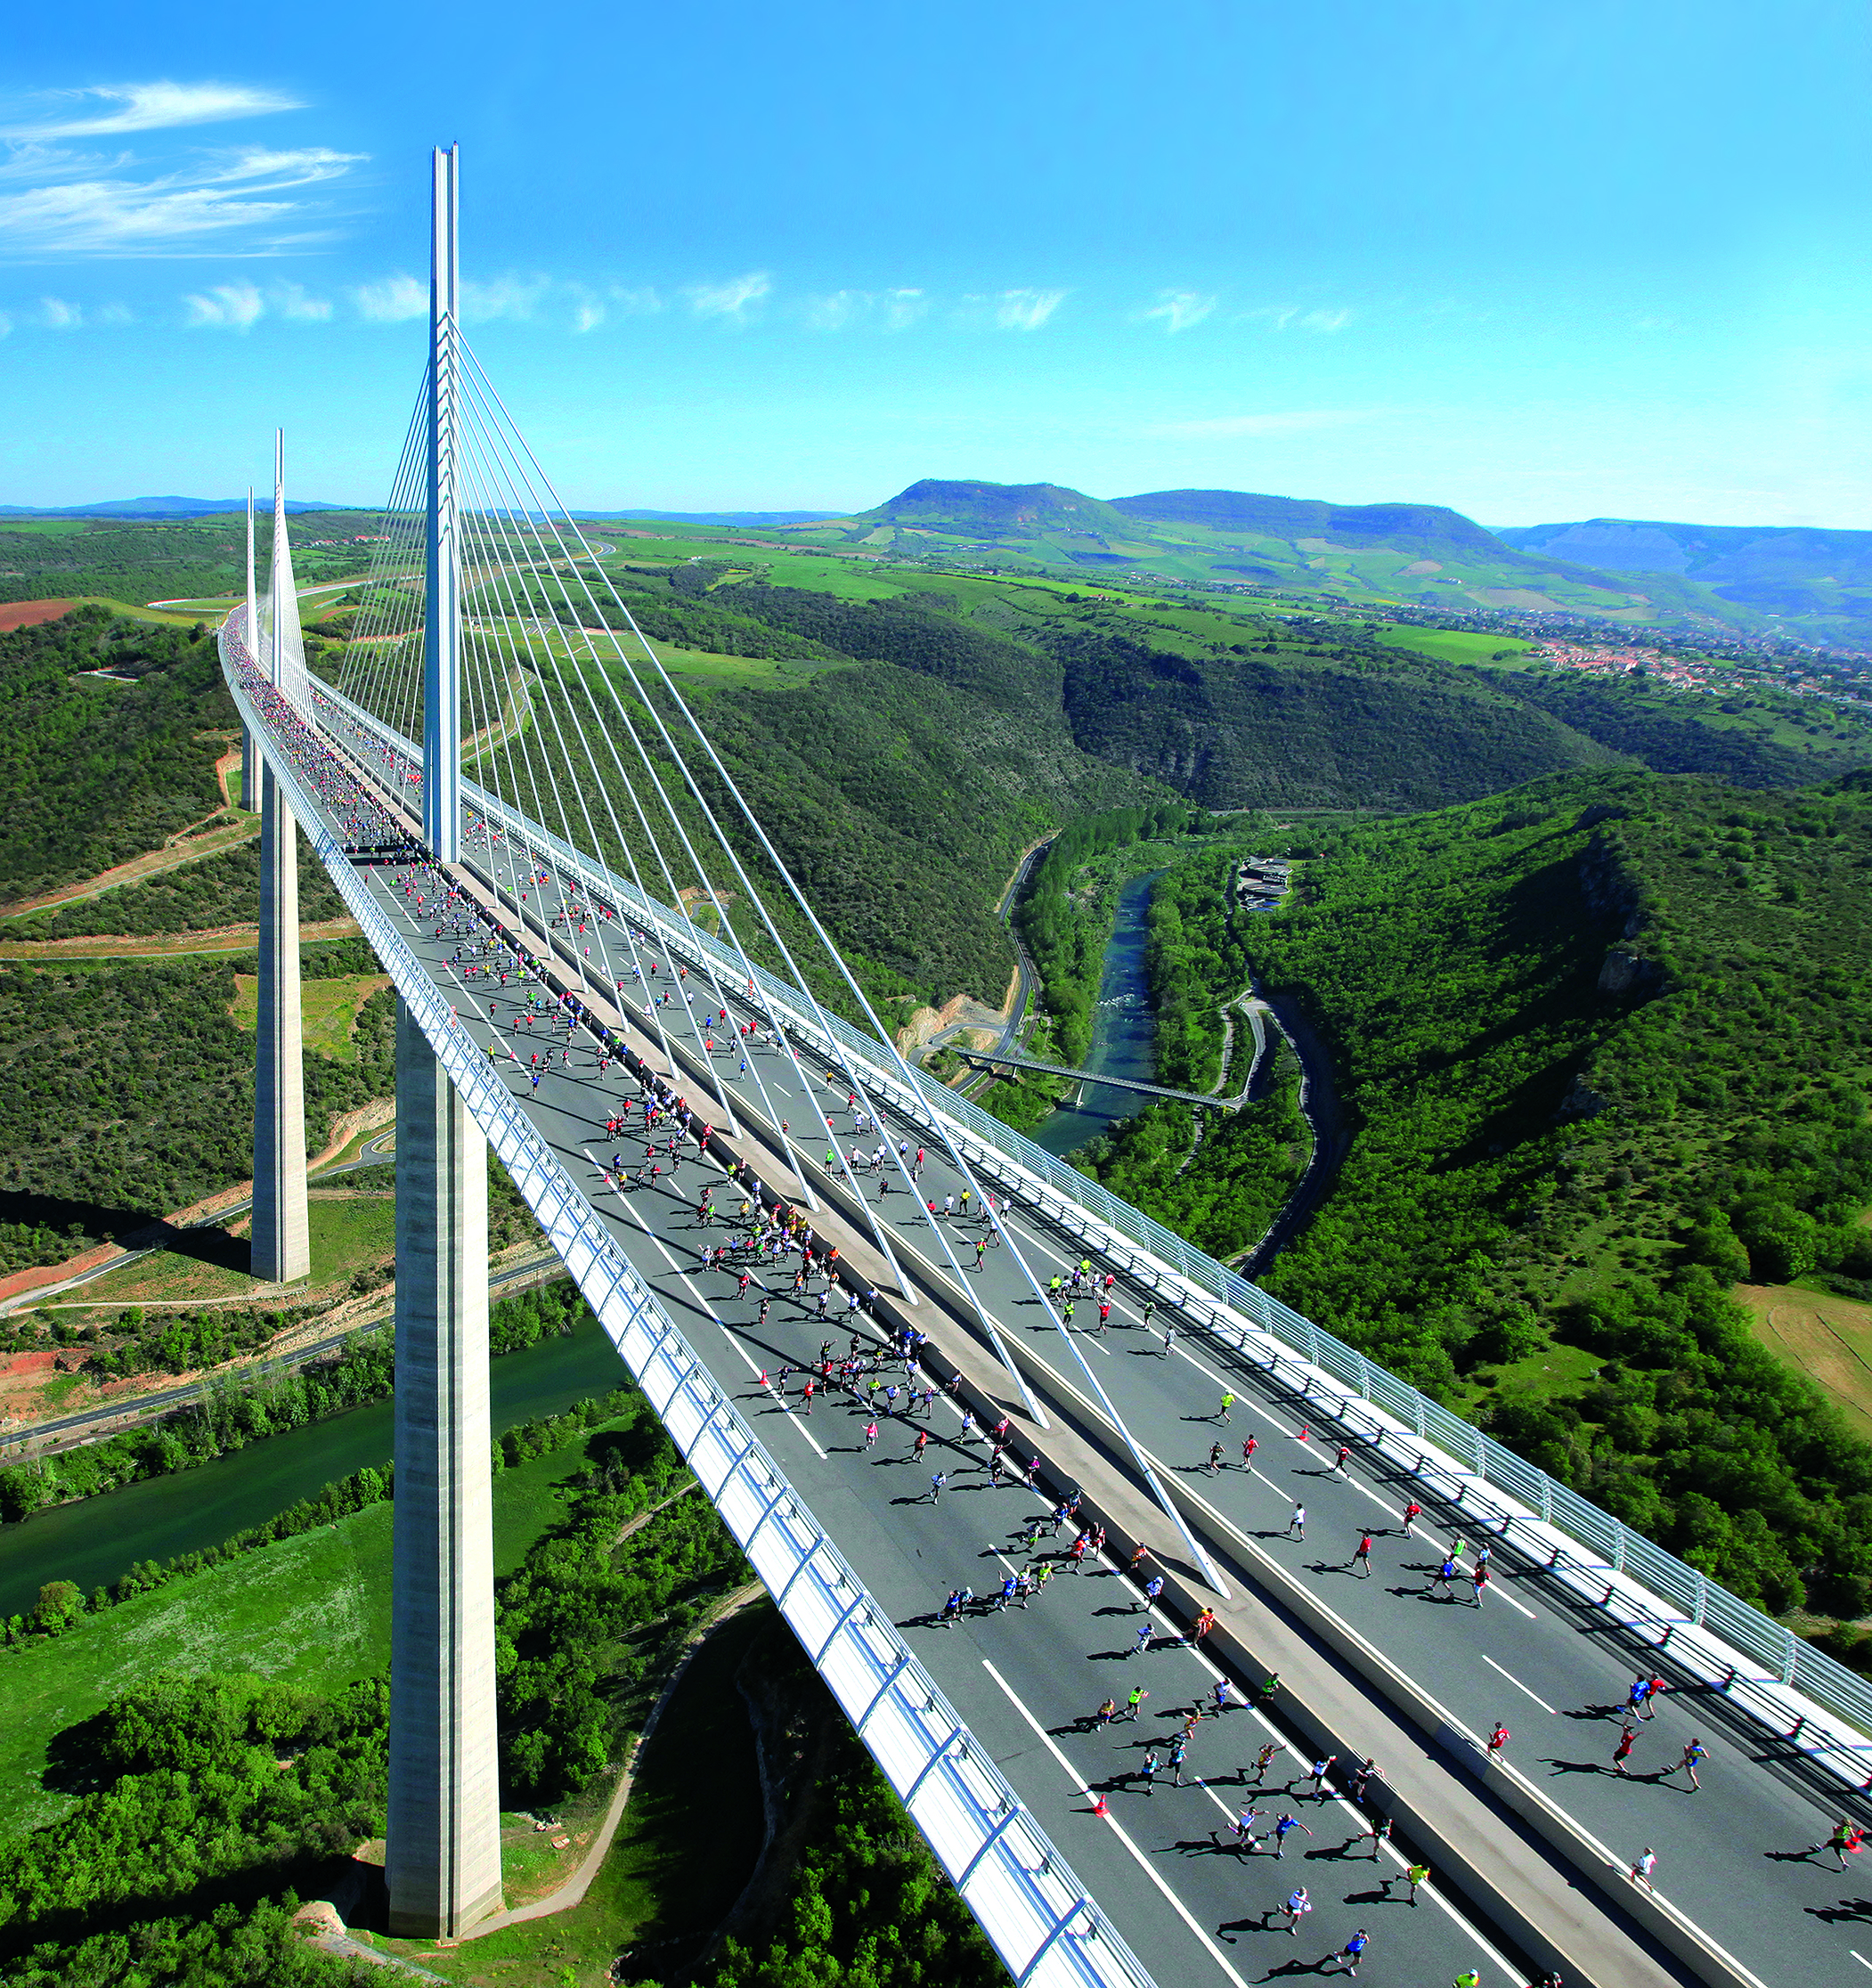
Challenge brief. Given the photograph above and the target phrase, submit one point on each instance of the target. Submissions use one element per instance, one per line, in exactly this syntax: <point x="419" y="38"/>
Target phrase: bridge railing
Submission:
<point x="1544" y="1518"/>
<point x="1040" y="1918"/>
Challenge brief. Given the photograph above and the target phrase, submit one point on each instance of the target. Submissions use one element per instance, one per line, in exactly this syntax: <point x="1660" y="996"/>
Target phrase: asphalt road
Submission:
<point x="1731" y="1855"/>
<point x="1164" y="1866"/>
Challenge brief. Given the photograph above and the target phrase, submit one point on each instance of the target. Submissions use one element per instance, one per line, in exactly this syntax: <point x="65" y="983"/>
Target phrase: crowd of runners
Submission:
<point x="884" y="1379"/>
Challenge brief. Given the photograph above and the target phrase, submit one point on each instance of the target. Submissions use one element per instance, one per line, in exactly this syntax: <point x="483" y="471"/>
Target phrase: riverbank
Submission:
<point x="1124" y="1029"/>
<point x="94" y="1540"/>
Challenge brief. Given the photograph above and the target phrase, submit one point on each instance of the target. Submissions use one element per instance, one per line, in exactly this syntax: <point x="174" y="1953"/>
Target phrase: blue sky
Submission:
<point x="1537" y="263"/>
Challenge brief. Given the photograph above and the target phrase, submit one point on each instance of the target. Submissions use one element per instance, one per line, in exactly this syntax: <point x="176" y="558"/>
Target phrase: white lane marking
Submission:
<point x="702" y="1303"/>
<point x="1341" y="1801"/>
<point x="1861" y="1958"/>
<point x="798" y="1422"/>
<point x="1512" y="1603"/>
<point x="1517" y="1685"/>
<point x="1118" y="1830"/>
<point x="1227" y="1386"/>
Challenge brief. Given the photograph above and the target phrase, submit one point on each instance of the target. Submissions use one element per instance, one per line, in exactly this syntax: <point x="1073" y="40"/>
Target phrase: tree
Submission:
<point x="61" y="1604"/>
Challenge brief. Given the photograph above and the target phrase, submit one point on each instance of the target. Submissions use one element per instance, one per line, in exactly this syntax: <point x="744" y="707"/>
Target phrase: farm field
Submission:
<point x="1828" y="1338"/>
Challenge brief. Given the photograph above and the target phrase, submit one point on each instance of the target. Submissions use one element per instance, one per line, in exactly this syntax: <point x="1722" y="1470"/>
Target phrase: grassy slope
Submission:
<point x="313" y="1611"/>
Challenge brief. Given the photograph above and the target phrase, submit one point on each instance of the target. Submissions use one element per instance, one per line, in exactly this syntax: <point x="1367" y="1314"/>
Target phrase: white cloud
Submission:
<point x="1220" y="427"/>
<point x="1180" y="309"/>
<point x="391" y="300"/>
<point x="150" y="107"/>
<point x="228" y="306"/>
<point x="293" y="300"/>
<point x="280" y="169"/>
<point x="116" y="314"/>
<point x="892" y="310"/>
<point x="1026" y="310"/>
<point x="58" y="315"/>
<point x="6" y="325"/>
<point x="92" y="203"/>
<point x="835" y="311"/>
<point x="731" y="299"/>
<point x="119" y="216"/>
<point x="1289" y="316"/>
<point x="507" y="297"/>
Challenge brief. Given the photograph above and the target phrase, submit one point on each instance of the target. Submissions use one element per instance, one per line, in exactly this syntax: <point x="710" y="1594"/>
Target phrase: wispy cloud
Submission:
<point x="59" y="315"/>
<point x="1178" y="310"/>
<point x="1221" y="426"/>
<point x="292" y="300"/>
<point x="238" y="307"/>
<point x="75" y="202"/>
<point x="125" y="107"/>
<point x="890" y="310"/>
<point x="505" y="296"/>
<point x="280" y="169"/>
<point x="1025" y="310"/>
<point x="121" y="217"/>
<point x="1290" y="317"/>
<point x="733" y="299"/>
<point x="391" y="300"/>
<point x="590" y="308"/>
<point x="231" y="307"/>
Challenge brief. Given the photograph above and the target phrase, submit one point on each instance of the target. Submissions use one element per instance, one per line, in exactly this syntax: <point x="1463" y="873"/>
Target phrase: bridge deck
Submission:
<point x="996" y="1058"/>
<point x="1531" y="1656"/>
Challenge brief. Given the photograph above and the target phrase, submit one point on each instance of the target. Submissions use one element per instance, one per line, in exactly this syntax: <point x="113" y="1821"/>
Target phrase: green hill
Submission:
<point x="1637" y="1074"/>
<point x="1818" y="580"/>
<point x="1353" y="553"/>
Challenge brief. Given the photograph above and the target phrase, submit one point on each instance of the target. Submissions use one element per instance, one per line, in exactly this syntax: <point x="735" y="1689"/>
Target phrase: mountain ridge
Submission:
<point x="1821" y="575"/>
<point x="1385" y="554"/>
<point x="166" y="507"/>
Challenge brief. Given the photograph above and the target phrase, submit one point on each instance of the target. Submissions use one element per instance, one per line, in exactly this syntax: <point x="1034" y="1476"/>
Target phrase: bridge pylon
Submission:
<point x="282" y="1248"/>
<point x="249" y="745"/>
<point x="281" y="1235"/>
<point x="442" y="1847"/>
<point x="442" y="618"/>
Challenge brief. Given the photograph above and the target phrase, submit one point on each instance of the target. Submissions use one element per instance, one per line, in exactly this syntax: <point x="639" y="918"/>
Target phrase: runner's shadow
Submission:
<point x="1847" y="1912"/>
<point x="1580" y="1767"/>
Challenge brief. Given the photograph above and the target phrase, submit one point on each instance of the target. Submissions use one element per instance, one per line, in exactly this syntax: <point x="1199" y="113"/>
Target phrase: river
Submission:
<point x="1123" y="1028"/>
<point x="97" y="1539"/>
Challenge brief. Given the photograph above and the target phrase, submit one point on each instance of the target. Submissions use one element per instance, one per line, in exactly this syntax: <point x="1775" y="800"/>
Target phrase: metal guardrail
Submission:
<point x="1541" y="1509"/>
<point x="1041" y="1919"/>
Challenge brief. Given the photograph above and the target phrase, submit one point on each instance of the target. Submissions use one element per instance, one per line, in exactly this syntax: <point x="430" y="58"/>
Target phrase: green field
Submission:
<point x="1451" y="645"/>
<point x="313" y="1610"/>
<point x="328" y="1008"/>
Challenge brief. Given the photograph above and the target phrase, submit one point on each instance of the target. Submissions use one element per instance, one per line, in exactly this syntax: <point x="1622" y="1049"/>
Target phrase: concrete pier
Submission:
<point x="442" y="1859"/>
<point x="282" y="1243"/>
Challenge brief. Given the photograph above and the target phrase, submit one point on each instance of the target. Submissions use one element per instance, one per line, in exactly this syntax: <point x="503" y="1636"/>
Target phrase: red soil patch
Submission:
<point x="30" y="613"/>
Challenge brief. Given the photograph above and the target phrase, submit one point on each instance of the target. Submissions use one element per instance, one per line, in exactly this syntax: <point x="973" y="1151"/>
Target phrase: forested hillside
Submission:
<point x="95" y="771"/>
<point x="1606" y="1044"/>
<point x="128" y="1088"/>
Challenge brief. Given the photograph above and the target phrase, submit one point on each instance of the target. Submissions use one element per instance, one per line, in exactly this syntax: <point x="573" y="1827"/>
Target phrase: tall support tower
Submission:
<point x="442" y="622"/>
<point x="442" y="1847"/>
<point x="282" y="1241"/>
<point x="249" y="746"/>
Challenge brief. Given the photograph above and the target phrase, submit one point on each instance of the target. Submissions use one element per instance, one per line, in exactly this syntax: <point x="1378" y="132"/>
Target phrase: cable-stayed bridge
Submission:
<point x="608" y="974"/>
